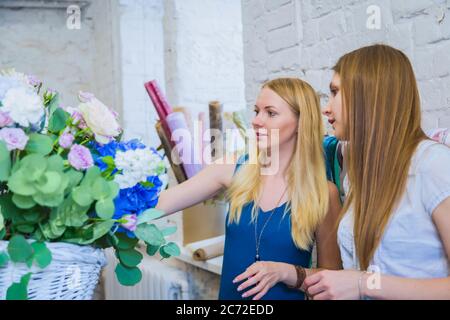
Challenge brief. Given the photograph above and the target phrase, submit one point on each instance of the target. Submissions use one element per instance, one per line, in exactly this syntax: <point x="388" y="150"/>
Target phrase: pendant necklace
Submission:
<point x="258" y="240"/>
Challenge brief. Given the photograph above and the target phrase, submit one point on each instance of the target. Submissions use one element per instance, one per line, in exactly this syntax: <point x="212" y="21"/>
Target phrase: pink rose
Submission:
<point x="66" y="140"/>
<point x="15" y="138"/>
<point x="80" y="157"/>
<point x="5" y="119"/>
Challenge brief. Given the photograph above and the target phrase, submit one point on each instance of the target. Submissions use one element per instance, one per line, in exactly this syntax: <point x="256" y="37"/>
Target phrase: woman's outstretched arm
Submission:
<point x="204" y="185"/>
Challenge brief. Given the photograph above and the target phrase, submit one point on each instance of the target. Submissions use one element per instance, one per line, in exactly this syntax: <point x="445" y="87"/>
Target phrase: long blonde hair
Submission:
<point x="307" y="182"/>
<point x="381" y="109"/>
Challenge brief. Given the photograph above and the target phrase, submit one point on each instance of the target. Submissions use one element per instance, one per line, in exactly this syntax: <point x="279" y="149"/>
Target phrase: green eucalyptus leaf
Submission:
<point x="23" y="202"/>
<point x="82" y="195"/>
<point x="49" y="182"/>
<point x="42" y="254"/>
<point x="163" y="254"/>
<point x="130" y="257"/>
<point x="2" y="220"/>
<point x="5" y="162"/>
<point x="19" y="183"/>
<point x="102" y="228"/>
<point x="55" y="163"/>
<point x="125" y="242"/>
<point x="105" y="208"/>
<point x="91" y="174"/>
<point x="39" y="143"/>
<point x="19" y="291"/>
<point x="32" y="216"/>
<point x="149" y="215"/>
<point x="152" y="250"/>
<point x="168" y="231"/>
<point x="4" y="259"/>
<point x="74" y="178"/>
<point x="128" y="276"/>
<point x="70" y="213"/>
<point x="150" y="234"/>
<point x="25" y="228"/>
<point x="100" y="189"/>
<point x="53" y="104"/>
<point x="19" y="249"/>
<point x="58" y="120"/>
<point x="49" y="200"/>
<point x="171" y="249"/>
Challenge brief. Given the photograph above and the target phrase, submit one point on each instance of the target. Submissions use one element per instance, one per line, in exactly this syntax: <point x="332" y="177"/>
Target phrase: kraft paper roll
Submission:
<point x="210" y="249"/>
<point x="176" y="168"/>
<point x="215" y="123"/>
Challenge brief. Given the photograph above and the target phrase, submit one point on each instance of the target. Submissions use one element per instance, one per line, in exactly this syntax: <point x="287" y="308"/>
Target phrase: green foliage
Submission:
<point x="58" y="120"/>
<point x="149" y="215"/>
<point x="130" y="257"/>
<point x="45" y="200"/>
<point x="150" y="234"/>
<point x="39" y="143"/>
<point x="5" y="162"/>
<point x="128" y="276"/>
<point x="42" y="254"/>
<point x="4" y="259"/>
<point x="18" y="291"/>
<point x="19" y="249"/>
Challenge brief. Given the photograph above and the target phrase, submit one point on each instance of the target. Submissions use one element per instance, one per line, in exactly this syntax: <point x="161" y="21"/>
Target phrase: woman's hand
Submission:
<point x="334" y="285"/>
<point x="263" y="274"/>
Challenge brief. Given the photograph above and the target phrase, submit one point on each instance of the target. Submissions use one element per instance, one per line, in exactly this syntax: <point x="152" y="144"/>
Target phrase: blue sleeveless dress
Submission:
<point x="276" y="245"/>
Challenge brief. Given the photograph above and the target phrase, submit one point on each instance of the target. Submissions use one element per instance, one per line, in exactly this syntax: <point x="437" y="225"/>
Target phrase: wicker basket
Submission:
<point x="72" y="275"/>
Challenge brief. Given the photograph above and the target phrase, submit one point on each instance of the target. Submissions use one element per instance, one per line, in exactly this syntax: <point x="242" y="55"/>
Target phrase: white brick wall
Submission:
<point x="142" y="56"/>
<point x="192" y="48"/>
<point x="204" y="54"/>
<point x="37" y="41"/>
<point x="326" y="29"/>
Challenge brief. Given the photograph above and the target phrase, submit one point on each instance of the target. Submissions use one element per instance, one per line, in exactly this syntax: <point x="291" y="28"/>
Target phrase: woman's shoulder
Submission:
<point x="430" y="156"/>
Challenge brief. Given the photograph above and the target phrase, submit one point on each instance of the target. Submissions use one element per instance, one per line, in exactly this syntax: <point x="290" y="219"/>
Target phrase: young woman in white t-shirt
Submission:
<point x="396" y="218"/>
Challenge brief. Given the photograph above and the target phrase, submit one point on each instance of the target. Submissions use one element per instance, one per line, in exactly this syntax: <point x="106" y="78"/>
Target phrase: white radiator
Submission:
<point x="159" y="282"/>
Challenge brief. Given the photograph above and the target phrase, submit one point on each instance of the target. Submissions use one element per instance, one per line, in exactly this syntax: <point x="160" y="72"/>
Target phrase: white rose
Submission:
<point x="24" y="106"/>
<point x="100" y="119"/>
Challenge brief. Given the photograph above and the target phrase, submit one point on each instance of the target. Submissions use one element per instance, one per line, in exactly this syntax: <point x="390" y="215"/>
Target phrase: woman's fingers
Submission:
<point x="246" y="274"/>
<point x="315" y="289"/>
<point x="250" y="282"/>
<point x="262" y="293"/>
<point x="262" y="283"/>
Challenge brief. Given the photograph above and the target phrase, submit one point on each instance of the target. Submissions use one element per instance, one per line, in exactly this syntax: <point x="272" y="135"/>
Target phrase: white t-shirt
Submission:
<point x="411" y="246"/>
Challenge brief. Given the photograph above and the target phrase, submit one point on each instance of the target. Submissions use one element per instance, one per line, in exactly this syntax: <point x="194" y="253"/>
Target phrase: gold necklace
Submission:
<point x="258" y="240"/>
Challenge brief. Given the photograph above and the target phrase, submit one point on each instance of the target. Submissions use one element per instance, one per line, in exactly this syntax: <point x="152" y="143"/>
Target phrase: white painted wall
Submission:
<point x="37" y="41"/>
<point x="204" y="53"/>
<point x="305" y="38"/>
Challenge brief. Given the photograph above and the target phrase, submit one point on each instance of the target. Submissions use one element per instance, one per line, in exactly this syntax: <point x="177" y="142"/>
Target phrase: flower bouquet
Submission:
<point x="70" y="187"/>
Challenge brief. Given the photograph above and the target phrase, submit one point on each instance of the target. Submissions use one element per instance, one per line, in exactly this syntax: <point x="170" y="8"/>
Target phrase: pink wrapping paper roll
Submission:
<point x="160" y="103"/>
<point x="187" y="151"/>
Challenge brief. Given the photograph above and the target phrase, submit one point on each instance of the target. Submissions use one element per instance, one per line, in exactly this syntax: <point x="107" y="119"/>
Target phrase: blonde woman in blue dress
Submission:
<point x="274" y="219"/>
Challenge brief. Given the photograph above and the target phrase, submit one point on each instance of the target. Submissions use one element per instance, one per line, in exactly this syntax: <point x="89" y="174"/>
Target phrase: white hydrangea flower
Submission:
<point x="24" y="106"/>
<point x="136" y="166"/>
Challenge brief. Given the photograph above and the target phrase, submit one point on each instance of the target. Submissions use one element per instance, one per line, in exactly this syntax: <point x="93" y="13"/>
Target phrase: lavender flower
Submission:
<point x="66" y="140"/>
<point x="131" y="223"/>
<point x="80" y="157"/>
<point x="34" y="81"/>
<point x="15" y="138"/>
